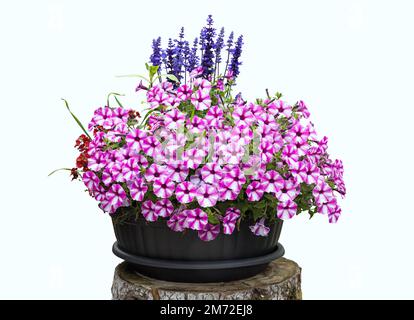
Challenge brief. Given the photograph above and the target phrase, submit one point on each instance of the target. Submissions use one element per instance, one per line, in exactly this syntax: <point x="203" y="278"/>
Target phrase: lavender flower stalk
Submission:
<point x="235" y="62"/>
<point x="207" y="61"/>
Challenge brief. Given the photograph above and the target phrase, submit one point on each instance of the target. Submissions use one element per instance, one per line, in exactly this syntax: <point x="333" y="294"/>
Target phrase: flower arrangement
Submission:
<point x="202" y="158"/>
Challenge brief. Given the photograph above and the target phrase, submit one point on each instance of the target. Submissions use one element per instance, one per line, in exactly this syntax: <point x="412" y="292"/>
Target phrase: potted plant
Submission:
<point x="199" y="186"/>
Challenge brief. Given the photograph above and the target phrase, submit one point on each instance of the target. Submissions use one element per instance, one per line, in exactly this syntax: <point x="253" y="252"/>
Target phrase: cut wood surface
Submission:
<point x="280" y="281"/>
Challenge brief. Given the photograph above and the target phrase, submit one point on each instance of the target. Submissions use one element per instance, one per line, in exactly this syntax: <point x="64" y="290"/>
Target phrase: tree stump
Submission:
<point x="280" y="281"/>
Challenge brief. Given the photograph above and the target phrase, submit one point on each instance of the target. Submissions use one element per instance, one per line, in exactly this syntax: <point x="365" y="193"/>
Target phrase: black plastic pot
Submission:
<point x="158" y="252"/>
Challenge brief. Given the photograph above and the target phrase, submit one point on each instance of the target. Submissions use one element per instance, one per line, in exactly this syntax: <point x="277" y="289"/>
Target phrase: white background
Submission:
<point x="351" y="61"/>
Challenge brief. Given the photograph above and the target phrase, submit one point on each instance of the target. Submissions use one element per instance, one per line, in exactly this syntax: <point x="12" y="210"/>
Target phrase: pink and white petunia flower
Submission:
<point x="266" y="120"/>
<point x="328" y="207"/>
<point x="280" y="108"/>
<point x="137" y="189"/>
<point x="272" y="181"/>
<point x="214" y="117"/>
<point x="322" y="192"/>
<point x="230" y="219"/>
<point x="91" y="180"/>
<point x="203" y="84"/>
<point x="112" y="173"/>
<point x="243" y="116"/>
<point x="156" y="171"/>
<point x="211" y="173"/>
<point x="259" y="228"/>
<point x="163" y="208"/>
<point x="234" y="178"/>
<point x="302" y="108"/>
<point x="97" y="161"/>
<point x="290" y="154"/>
<point x="174" y="119"/>
<point x="334" y="216"/>
<point x="201" y="99"/>
<point x="210" y="232"/>
<point x="102" y="117"/>
<point x="148" y="211"/>
<point x="177" y="222"/>
<point x="226" y="193"/>
<point x="207" y="196"/>
<point x="163" y="187"/>
<point x="196" y="72"/>
<point x="178" y="171"/>
<point x="298" y="132"/>
<point x="116" y="197"/>
<point x="134" y="139"/>
<point x="196" y="219"/>
<point x="196" y="125"/>
<point x="184" y="92"/>
<point x="232" y="153"/>
<point x="286" y="209"/>
<point x="99" y="194"/>
<point x="193" y="157"/>
<point x="255" y="191"/>
<point x="310" y="173"/>
<point x="185" y="192"/>
<point x="151" y="146"/>
<point x="160" y="98"/>
<point x="288" y="191"/>
<point x="267" y="151"/>
<point x="130" y="169"/>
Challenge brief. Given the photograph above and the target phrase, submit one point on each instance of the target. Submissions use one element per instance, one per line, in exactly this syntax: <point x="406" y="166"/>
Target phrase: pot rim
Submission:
<point x="197" y="265"/>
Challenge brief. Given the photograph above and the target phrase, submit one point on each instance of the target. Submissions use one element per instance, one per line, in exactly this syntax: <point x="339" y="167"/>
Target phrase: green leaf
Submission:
<point x="118" y="102"/>
<point x="172" y="77"/>
<point x="115" y="96"/>
<point x="67" y="169"/>
<point x="153" y="71"/>
<point x="76" y="119"/>
<point x="212" y="218"/>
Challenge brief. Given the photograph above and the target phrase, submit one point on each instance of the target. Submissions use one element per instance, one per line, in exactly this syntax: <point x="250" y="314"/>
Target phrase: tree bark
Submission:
<point x="280" y="281"/>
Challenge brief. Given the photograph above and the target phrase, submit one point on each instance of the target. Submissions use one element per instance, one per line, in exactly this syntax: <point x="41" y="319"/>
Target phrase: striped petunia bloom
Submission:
<point x="156" y="171"/>
<point x="196" y="219"/>
<point x="272" y="181"/>
<point x="174" y="119"/>
<point x="177" y="222"/>
<point x="134" y="139"/>
<point x="148" y="211"/>
<point x="116" y="197"/>
<point x="234" y="178"/>
<point x="130" y="169"/>
<point x="259" y="228"/>
<point x="193" y="157"/>
<point x="286" y="209"/>
<point x="112" y="173"/>
<point x="288" y="191"/>
<point x="178" y="171"/>
<point x="211" y="173"/>
<point x="322" y="192"/>
<point x="209" y="232"/>
<point x="185" y="192"/>
<point x="163" y="187"/>
<point x="201" y="99"/>
<point x="255" y="191"/>
<point x="91" y="180"/>
<point x="163" y="208"/>
<point x="207" y="195"/>
<point x="98" y="161"/>
<point x="230" y="219"/>
<point x="137" y="189"/>
<point x="151" y="146"/>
